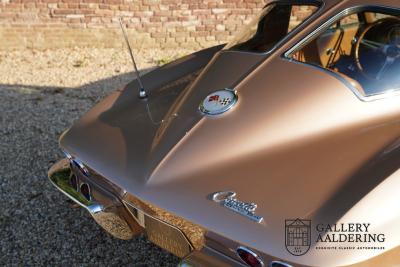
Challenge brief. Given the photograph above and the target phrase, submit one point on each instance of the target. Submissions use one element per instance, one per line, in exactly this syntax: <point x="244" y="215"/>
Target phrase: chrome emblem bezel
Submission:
<point x="224" y="100"/>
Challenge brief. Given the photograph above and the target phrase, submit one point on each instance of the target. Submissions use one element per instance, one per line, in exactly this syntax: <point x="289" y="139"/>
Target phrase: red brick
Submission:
<point x="63" y="11"/>
<point x="185" y="22"/>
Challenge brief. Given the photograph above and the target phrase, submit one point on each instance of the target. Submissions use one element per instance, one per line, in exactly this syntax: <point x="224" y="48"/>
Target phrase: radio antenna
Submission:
<point x="142" y="91"/>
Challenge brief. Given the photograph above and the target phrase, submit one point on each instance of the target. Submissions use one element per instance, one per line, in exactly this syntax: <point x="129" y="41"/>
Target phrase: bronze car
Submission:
<point x="279" y="149"/>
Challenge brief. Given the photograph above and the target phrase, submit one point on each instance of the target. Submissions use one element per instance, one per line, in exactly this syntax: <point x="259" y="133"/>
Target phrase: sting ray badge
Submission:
<point x="227" y="199"/>
<point x="219" y="102"/>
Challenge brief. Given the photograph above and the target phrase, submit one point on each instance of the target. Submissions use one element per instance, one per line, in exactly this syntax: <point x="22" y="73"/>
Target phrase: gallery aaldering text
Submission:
<point x="350" y="232"/>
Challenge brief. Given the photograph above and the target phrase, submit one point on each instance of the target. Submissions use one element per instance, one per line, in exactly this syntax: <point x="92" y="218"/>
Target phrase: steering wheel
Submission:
<point x="377" y="50"/>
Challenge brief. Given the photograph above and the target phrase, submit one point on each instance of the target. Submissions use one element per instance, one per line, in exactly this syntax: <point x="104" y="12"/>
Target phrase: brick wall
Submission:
<point x="154" y="23"/>
<point x="45" y="24"/>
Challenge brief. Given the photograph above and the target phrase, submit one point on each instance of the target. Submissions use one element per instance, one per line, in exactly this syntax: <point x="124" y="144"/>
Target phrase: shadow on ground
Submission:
<point x="37" y="225"/>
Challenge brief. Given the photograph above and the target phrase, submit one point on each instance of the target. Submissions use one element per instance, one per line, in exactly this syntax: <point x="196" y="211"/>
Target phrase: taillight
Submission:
<point x="279" y="264"/>
<point x="85" y="191"/>
<point x="249" y="257"/>
<point x="74" y="182"/>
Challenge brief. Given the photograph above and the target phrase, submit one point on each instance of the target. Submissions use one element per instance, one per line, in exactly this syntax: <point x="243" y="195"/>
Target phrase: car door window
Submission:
<point x="363" y="47"/>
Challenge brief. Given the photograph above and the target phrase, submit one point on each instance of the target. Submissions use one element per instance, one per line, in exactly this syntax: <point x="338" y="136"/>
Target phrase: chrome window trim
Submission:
<point x="318" y="3"/>
<point x="325" y="26"/>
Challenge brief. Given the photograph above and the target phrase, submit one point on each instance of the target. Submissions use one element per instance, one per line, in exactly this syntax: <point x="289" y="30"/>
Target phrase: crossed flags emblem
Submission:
<point x="215" y="98"/>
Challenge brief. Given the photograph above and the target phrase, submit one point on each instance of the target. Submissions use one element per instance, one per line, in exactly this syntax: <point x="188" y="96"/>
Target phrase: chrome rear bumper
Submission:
<point x="105" y="208"/>
<point x="124" y="216"/>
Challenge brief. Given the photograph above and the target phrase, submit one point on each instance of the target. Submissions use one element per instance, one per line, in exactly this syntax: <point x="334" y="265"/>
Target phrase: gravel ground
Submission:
<point x="41" y="94"/>
<point x="75" y="67"/>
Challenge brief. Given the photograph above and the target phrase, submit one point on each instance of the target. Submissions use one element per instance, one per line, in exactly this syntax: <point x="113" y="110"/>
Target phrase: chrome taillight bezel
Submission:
<point x="250" y="252"/>
<point x="77" y="163"/>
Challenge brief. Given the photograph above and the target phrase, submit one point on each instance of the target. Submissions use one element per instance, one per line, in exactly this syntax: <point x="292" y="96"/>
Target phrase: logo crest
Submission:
<point x="298" y="236"/>
<point x="218" y="102"/>
<point x="228" y="200"/>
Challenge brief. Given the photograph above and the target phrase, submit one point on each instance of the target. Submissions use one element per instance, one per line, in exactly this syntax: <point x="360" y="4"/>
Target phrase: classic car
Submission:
<point x="280" y="148"/>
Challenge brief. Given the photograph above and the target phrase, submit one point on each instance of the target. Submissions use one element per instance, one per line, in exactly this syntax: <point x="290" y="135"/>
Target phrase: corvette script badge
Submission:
<point x="227" y="199"/>
<point x="218" y="102"/>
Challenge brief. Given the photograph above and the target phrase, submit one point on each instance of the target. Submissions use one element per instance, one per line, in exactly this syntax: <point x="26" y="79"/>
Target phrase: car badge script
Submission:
<point x="218" y="102"/>
<point x="228" y="200"/>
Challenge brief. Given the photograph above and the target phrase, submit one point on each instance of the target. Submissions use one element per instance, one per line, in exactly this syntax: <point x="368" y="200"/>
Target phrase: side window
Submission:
<point x="363" y="47"/>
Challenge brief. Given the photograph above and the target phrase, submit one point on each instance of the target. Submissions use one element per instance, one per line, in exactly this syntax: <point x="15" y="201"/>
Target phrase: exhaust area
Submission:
<point x="108" y="214"/>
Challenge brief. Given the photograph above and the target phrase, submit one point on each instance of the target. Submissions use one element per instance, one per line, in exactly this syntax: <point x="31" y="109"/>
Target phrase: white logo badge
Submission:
<point x="219" y="102"/>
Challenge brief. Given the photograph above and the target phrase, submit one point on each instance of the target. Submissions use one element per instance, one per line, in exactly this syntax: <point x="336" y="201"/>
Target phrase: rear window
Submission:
<point x="362" y="48"/>
<point x="274" y="23"/>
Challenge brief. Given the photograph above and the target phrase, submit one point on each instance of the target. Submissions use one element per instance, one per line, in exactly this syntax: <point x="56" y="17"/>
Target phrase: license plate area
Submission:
<point x="167" y="237"/>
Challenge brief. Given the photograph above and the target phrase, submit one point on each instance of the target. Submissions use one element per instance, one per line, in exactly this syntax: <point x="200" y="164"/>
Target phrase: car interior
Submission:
<point x="363" y="48"/>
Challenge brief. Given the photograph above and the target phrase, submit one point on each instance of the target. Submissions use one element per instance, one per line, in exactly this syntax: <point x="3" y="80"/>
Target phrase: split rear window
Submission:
<point x="274" y="23"/>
